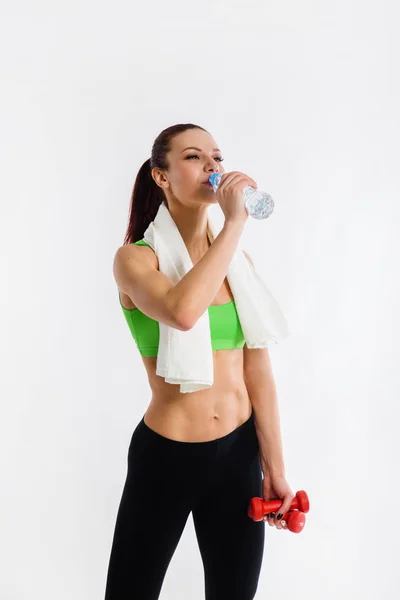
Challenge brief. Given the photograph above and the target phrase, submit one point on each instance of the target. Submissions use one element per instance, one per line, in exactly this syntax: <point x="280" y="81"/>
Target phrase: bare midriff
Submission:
<point x="203" y="415"/>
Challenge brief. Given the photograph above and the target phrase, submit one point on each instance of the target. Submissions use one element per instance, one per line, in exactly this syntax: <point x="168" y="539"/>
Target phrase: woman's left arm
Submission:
<point x="260" y="384"/>
<point x="261" y="388"/>
<point x="259" y="380"/>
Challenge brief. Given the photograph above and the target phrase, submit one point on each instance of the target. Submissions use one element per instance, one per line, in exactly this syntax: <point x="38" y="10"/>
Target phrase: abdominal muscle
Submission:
<point x="204" y="415"/>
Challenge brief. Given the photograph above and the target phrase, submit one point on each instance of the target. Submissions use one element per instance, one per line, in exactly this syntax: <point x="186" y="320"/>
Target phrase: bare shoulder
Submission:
<point x="134" y="252"/>
<point x="143" y="286"/>
<point x="132" y="262"/>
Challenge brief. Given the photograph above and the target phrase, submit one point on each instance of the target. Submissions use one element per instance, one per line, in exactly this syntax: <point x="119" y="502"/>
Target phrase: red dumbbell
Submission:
<point x="295" y="516"/>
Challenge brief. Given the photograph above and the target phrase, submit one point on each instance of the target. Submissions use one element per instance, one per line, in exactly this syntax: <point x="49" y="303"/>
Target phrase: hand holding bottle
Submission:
<point x="257" y="203"/>
<point x="230" y="195"/>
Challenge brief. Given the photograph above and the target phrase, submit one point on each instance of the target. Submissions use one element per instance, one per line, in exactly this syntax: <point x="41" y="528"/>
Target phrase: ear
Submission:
<point x="159" y="177"/>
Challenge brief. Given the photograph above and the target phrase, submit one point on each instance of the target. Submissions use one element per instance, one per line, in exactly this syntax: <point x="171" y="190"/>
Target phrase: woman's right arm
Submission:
<point x="197" y="289"/>
<point x="181" y="305"/>
<point x="154" y="293"/>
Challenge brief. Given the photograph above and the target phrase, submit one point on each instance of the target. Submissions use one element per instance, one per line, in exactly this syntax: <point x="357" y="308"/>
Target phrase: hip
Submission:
<point x="189" y="471"/>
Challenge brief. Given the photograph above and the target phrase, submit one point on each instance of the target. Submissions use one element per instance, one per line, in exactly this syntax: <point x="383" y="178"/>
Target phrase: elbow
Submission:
<point x="186" y="316"/>
<point x="178" y="317"/>
<point x="183" y="316"/>
<point x="187" y="319"/>
<point x="184" y="321"/>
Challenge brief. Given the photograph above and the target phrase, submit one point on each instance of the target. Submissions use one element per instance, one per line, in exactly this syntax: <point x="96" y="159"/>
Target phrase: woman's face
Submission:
<point x="193" y="158"/>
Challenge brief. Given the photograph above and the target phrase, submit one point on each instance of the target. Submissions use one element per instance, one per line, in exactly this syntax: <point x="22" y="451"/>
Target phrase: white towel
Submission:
<point x="185" y="357"/>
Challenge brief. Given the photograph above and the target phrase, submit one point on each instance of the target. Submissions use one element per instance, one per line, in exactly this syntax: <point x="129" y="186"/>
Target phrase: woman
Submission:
<point x="203" y="452"/>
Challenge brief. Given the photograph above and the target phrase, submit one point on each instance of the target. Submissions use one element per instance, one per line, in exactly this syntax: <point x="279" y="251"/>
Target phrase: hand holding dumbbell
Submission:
<point x="295" y="517"/>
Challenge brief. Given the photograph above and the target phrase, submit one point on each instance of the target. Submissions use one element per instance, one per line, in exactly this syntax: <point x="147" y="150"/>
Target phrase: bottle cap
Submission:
<point x="215" y="179"/>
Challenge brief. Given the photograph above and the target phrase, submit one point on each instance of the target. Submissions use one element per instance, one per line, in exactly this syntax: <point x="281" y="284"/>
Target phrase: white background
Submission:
<point x="304" y="97"/>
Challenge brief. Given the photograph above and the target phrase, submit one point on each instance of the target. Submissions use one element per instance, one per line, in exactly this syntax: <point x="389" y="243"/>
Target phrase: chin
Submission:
<point x="209" y="194"/>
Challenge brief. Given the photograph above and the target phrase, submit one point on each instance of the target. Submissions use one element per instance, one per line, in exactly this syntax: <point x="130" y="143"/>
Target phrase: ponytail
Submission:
<point x="145" y="202"/>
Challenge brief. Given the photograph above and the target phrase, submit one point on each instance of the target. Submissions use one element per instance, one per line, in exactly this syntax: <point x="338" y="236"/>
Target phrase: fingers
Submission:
<point x="270" y="518"/>
<point x="283" y="509"/>
<point x="278" y="523"/>
<point x="273" y="521"/>
<point x="278" y="518"/>
<point x="233" y="177"/>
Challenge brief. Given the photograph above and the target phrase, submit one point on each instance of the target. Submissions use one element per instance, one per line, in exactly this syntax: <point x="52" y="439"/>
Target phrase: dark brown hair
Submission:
<point x="147" y="195"/>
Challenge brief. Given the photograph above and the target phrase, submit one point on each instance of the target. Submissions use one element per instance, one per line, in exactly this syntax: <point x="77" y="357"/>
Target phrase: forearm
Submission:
<point x="263" y="396"/>
<point x="199" y="286"/>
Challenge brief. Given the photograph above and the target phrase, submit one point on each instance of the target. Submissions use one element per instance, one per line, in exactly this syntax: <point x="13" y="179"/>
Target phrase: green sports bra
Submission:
<point x="226" y="331"/>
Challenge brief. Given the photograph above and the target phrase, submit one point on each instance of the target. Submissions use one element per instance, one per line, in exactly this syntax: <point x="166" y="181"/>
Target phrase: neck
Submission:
<point x="192" y="225"/>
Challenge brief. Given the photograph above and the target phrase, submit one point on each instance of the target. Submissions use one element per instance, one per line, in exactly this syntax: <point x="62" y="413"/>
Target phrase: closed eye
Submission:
<point x="196" y="156"/>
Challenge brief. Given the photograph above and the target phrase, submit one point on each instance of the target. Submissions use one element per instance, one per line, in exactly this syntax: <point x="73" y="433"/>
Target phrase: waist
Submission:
<point x="200" y="416"/>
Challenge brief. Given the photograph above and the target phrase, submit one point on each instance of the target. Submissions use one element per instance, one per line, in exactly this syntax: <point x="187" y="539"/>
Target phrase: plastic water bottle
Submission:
<point x="258" y="204"/>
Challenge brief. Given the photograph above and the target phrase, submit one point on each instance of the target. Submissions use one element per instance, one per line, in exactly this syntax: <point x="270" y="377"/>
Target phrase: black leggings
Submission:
<point x="166" y="481"/>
